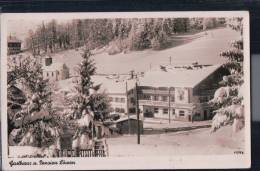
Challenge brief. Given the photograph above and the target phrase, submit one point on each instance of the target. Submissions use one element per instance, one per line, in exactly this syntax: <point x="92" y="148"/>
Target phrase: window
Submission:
<point x="197" y="115"/>
<point x="122" y="110"/>
<point x="58" y="72"/>
<point x="173" y="111"/>
<point x="117" y="110"/>
<point x="52" y="74"/>
<point x="156" y="110"/>
<point x="155" y="98"/>
<point x="132" y="100"/>
<point x="205" y="114"/>
<point x="181" y="113"/>
<point x="165" y="111"/>
<point x="181" y="94"/>
<point x="110" y="99"/>
<point x="116" y="99"/>
<point x="145" y="97"/>
<point x="164" y="98"/>
<point x="172" y="98"/>
<point x="47" y="74"/>
<point x="203" y="99"/>
<point x="122" y="100"/>
<point x="131" y="110"/>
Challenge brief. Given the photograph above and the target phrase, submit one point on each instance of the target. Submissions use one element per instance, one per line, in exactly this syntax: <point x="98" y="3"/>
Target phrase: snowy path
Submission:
<point x="196" y="142"/>
<point x="205" y="50"/>
<point x="159" y="126"/>
<point x="164" y="123"/>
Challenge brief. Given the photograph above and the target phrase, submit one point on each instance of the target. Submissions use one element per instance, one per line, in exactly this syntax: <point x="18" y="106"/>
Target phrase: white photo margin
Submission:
<point x="151" y="162"/>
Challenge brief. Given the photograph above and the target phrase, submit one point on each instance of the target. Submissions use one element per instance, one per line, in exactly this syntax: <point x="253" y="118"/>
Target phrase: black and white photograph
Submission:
<point x="125" y="90"/>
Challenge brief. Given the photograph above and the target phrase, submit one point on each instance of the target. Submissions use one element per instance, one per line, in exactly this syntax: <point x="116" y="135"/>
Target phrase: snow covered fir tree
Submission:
<point x="89" y="106"/>
<point x="31" y="118"/>
<point x="228" y="99"/>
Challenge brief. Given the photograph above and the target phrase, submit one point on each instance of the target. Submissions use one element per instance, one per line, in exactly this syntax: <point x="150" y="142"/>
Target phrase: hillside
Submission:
<point x="205" y="50"/>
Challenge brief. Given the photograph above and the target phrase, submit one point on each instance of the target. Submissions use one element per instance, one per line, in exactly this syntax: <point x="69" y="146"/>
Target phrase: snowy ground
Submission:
<point x="196" y="142"/>
<point x="205" y="50"/>
<point x="164" y="123"/>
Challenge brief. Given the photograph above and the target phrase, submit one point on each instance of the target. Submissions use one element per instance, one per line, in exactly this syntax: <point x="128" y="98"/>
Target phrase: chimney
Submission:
<point x="48" y="61"/>
<point x="132" y="74"/>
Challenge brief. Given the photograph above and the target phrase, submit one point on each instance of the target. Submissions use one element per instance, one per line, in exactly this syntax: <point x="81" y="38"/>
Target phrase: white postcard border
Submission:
<point x="152" y="162"/>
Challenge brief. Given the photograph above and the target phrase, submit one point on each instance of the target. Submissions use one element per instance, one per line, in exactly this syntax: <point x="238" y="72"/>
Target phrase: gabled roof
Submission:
<point x="113" y="85"/>
<point x="171" y="76"/>
<point x="53" y="67"/>
<point x="126" y="118"/>
<point x="13" y="39"/>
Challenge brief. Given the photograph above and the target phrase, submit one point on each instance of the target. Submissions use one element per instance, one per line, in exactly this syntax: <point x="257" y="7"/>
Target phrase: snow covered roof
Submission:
<point x="13" y="39"/>
<point x="113" y="85"/>
<point x="170" y="76"/>
<point x="126" y="118"/>
<point x="53" y="67"/>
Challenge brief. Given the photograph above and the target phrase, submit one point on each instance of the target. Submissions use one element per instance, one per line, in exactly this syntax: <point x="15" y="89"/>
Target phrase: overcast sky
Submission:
<point x="20" y="28"/>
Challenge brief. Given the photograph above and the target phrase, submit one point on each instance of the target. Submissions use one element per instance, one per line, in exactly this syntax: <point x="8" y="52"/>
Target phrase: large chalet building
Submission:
<point x="166" y="92"/>
<point x="179" y="93"/>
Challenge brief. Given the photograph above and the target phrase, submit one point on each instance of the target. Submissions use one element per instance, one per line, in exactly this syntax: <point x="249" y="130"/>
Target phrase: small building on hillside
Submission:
<point x="179" y="93"/>
<point x="55" y="71"/>
<point x="13" y="45"/>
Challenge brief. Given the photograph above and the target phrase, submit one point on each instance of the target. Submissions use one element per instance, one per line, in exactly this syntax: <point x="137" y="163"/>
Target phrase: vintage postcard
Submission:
<point x="125" y="90"/>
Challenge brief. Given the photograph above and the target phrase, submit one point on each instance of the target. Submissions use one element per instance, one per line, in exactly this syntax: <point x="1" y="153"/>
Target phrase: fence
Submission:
<point x="81" y="153"/>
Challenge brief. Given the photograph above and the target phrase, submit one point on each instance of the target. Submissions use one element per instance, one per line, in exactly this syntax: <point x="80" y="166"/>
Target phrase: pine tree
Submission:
<point x="88" y="106"/>
<point x="228" y="99"/>
<point x="86" y="70"/>
<point x="33" y="120"/>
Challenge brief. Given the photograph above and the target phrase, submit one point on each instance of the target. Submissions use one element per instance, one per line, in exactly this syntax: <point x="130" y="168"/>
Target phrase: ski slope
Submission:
<point x="204" y="50"/>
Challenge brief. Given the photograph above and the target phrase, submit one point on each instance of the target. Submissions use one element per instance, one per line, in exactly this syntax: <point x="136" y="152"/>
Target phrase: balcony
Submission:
<point x="164" y="104"/>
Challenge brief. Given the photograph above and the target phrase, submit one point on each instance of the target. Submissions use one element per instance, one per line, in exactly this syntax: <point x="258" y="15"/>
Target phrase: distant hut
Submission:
<point x="55" y="71"/>
<point x="124" y="125"/>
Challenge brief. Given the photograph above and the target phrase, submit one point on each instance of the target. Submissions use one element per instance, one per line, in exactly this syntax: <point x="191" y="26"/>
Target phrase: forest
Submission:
<point x="122" y="34"/>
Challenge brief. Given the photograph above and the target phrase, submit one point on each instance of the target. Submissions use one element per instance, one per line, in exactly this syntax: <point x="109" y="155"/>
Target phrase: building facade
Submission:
<point x="175" y="93"/>
<point x="13" y="45"/>
<point x="118" y="102"/>
<point x="55" y="71"/>
<point x="118" y="90"/>
<point x="180" y="94"/>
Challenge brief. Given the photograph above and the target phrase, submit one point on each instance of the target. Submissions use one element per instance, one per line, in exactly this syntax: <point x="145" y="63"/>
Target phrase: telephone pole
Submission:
<point x="137" y="113"/>
<point x="169" y="105"/>
<point x="127" y="106"/>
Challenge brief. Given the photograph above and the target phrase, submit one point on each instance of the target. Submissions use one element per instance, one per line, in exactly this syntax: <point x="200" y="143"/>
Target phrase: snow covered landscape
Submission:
<point x="204" y="49"/>
<point x="195" y="142"/>
<point x="177" y="83"/>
